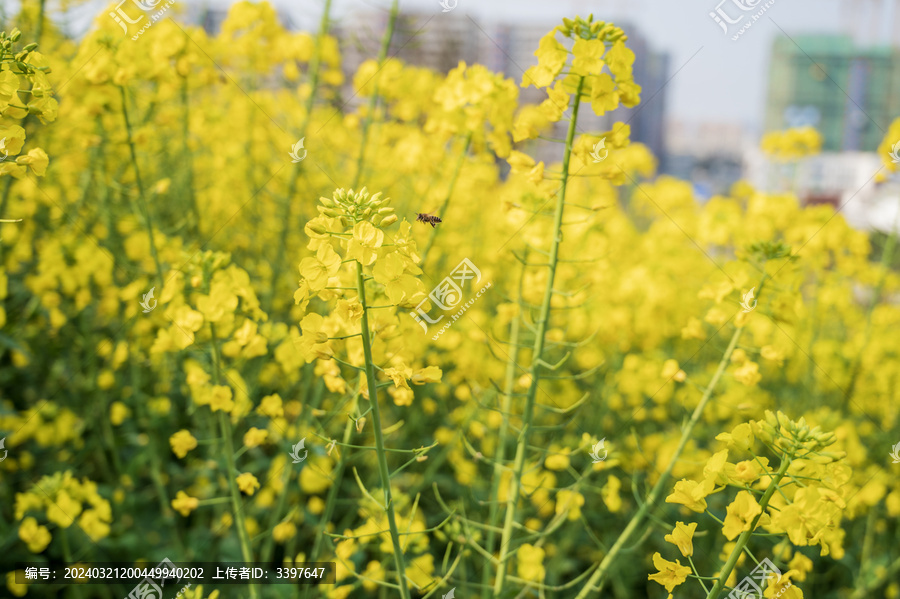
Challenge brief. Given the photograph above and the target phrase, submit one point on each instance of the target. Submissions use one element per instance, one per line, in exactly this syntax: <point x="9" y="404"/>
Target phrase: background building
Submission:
<point x="802" y="93"/>
<point x="440" y="41"/>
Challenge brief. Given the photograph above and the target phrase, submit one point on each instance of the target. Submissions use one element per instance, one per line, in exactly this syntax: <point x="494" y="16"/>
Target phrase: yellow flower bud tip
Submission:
<point x="388" y="221"/>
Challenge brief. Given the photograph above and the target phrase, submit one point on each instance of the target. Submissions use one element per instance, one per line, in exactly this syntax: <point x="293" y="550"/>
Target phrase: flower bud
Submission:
<point x="15" y="35"/>
<point x="388" y="221"/>
<point x="327" y="202"/>
<point x="30" y="47"/>
<point x="386" y="210"/>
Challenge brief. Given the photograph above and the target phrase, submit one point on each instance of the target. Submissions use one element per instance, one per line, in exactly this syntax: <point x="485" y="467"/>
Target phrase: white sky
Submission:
<point x="725" y="82"/>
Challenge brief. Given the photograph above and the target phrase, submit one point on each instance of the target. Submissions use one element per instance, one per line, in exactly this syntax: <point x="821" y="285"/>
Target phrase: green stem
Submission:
<point x="745" y="536"/>
<point x="443" y="208"/>
<point x="508" y="385"/>
<point x="599" y="576"/>
<point x="534" y="370"/>
<point x="373" y="99"/>
<point x="140" y="184"/>
<point x="379" y="436"/>
<point x="230" y="467"/>
<point x="186" y="153"/>
<point x="67" y="554"/>
<point x="868" y="590"/>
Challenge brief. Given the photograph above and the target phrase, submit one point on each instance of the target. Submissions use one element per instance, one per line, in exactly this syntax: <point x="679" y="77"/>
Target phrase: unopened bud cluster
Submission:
<point x="793" y="437"/>
<point x="6" y="49"/>
<point x="769" y="250"/>
<point x="353" y="207"/>
<point x="592" y="30"/>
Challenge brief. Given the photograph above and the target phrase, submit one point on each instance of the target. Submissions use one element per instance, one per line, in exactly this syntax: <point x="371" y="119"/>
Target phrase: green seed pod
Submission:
<point x="316" y="227"/>
<point x="332" y="212"/>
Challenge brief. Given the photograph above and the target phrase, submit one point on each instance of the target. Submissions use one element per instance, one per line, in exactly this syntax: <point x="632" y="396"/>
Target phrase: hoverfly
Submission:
<point x="430" y="219"/>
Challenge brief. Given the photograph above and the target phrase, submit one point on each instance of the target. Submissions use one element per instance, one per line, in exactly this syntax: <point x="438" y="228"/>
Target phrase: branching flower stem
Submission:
<point x="141" y="193"/>
<point x="598" y="579"/>
<point x="500" y="457"/>
<point x="379" y="436"/>
<point x="537" y="354"/>
<point x="231" y="473"/>
<point x="745" y="536"/>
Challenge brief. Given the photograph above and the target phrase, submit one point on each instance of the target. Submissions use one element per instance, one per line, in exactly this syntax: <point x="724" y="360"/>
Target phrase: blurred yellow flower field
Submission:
<point x="226" y="337"/>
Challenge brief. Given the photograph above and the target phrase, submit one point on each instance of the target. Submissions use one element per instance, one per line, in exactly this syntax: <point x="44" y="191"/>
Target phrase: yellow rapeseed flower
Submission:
<point x="182" y="442"/>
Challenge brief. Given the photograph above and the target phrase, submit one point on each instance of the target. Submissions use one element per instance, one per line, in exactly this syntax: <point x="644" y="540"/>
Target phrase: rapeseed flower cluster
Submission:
<point x="207" y="352"/>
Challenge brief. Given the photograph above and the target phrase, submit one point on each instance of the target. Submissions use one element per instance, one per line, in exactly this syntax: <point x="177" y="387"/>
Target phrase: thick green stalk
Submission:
<point x="231" y="469"/>
<point x="500" y="457"/>
<point x="140" y="184"/>
<point x="379" y="436"/>
<point x="243" y="537"/>
<point x="535" y="369"/>
<point x="599" y="576"/>
<point x="745" y="536"/>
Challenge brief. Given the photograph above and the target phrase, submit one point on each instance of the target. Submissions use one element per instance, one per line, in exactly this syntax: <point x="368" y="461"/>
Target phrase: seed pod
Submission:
<point x="316" y="227"/>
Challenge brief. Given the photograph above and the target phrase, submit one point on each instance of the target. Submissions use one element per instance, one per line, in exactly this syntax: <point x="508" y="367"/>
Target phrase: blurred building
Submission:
<point x="440" y="41"/>
<point x="709" y="154"/>
<point x="212" y="17"/>
<point x="851" y="99"/>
